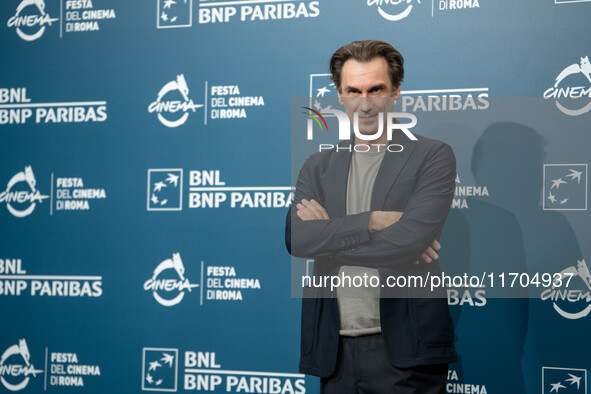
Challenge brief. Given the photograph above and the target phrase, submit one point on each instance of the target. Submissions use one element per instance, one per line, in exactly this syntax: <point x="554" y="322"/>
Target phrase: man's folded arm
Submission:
<point x="313" y="238"/>
<point x="422" y="220"/>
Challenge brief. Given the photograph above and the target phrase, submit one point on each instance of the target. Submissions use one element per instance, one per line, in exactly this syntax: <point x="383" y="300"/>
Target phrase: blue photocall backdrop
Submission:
<point x="145" y="175"/>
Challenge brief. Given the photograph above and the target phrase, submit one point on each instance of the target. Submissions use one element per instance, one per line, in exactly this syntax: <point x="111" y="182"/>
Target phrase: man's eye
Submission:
<point x="379" y="92"/>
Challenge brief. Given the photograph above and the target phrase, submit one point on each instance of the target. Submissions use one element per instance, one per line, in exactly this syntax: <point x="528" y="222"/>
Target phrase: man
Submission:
<point x="374" y="213"/>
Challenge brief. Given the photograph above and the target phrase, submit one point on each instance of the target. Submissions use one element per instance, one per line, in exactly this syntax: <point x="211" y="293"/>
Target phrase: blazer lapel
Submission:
<point x="336" y="192"/>
<point x="390" y="169"/>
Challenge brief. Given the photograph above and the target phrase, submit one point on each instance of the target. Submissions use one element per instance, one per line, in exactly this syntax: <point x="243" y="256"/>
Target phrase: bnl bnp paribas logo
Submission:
<point x="565" y="187"/>
<point x="179" y="13"/>
<point x="572" y="86"/>
<point x="323" y="99"/>
<point x="16" y="367"/>
<point x="174" y="13"/>
<point x="323" y="94"/>
<point x="31" y="19"/>
<point x="160" y="369"/>
<point x="202" y="372"/>
<point x="207" y="189"/>
<point x="564" y="380"/>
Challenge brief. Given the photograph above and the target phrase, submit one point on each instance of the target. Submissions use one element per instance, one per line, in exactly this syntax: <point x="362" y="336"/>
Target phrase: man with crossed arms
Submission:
<point x="373" y="213"/>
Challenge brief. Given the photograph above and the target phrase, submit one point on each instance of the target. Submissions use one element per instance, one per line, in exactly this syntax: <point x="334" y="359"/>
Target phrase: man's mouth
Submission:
<point x="368" y="117"/>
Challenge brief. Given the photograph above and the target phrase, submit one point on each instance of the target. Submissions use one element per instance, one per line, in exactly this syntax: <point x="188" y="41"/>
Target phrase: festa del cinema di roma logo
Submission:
<point x="571" y="303"/>
<point x="30" y="19"/>
<point x="167" y="107"/>
<point x="16" y="368"/>
<point x="21" y="202"/>
<point x="167" y="284"/>
<point x="564" y="87"/>
<point x="393" y="10"/>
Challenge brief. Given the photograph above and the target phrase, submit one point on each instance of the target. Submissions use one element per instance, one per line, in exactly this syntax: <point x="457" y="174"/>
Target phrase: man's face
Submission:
<point x="366" y="89"/>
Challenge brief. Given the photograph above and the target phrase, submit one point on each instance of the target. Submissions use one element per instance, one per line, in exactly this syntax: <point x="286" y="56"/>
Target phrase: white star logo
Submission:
<point x="322" y="91"/>
<point x="575" y="175"/>
<point x="574" y="379"/>
<point x="167" y="358"/>
<point x="175" y="179"/>
<point x="556" y="386"/>
<point x="158" y="186"/>
<point x="556" y="183"/>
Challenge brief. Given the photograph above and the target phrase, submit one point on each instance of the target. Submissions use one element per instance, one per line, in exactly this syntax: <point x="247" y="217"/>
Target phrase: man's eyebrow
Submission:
<point x="378" y="86"/>
<point x="373" y="88"/>
<point x="351" y="88"/>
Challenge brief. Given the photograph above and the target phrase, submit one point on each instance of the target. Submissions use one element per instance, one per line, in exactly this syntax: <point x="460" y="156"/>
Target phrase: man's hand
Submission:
<point x="311" y="210"/>
<point x="430" y="253"/>
<point x="379" y="220"/>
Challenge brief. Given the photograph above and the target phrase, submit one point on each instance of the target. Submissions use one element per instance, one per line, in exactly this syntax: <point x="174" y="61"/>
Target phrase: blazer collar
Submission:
<point x="390" y="169"/>
<point x="392" y="164"/>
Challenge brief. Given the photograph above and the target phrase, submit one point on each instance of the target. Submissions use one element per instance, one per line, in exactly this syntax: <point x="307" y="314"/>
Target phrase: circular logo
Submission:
<point x="26" y="21"/>
<point x="571" y="296"/>
<point x="403" y="8"/>
<point x="571" y="85"/>
<point x="15" y="367"/>
<point x="169" y="291"/>
<point x="22" y="203"/>
<point x="170" y="107"/>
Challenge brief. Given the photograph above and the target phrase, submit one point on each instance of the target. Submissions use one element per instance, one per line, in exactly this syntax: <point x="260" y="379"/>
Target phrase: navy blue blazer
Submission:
<point x="419" y="181"/>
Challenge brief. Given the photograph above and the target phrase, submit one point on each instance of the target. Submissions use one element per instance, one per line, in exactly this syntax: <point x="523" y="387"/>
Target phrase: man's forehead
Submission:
<point x="373" y="72"/>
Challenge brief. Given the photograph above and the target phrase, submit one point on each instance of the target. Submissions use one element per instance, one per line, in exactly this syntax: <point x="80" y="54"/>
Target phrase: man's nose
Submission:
<point x="365" y="103"/>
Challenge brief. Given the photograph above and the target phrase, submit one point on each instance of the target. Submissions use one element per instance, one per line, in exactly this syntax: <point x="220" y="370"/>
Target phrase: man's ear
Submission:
<point x="397" y="93"/>
<point x="340" y="97"/>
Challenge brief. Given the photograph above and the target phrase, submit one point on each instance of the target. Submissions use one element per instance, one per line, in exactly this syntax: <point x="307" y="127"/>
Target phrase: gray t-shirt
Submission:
<point x="359" y="307"/>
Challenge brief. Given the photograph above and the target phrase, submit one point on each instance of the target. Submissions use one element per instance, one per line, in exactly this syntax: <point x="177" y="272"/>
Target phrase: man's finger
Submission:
<point x="320" y="208"/>
<point x="301" y="215"/>
<point x="301" y="210"/>
<point x="426" y="258"/>
<point x="304" y="213"/>
<point x="431" y="253"/>
<point x="314" y="211"/>
<point x="436" y="245"/>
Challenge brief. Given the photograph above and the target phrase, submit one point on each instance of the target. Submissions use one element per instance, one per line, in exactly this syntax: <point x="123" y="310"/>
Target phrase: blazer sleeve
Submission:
<point x="422" y="220"/>
<point x="314" y="238"/>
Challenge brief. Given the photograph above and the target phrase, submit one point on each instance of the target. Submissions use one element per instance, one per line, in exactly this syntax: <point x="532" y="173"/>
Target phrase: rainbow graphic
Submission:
<point x="316" y="117"/>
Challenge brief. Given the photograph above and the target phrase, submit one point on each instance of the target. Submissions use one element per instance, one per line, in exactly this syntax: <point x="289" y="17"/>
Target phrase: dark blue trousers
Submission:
<point x="363" y="368"/>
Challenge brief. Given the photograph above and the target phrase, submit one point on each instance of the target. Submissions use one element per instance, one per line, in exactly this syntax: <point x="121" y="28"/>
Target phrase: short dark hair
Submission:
<point x="363" y="52"/>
